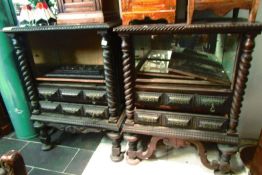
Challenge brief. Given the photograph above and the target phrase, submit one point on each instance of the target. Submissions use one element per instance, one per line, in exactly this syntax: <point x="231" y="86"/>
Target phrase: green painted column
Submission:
<point x="10" y="84"/>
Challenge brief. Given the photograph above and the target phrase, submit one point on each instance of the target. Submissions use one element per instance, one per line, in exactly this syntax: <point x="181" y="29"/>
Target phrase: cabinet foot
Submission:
<point x="116" y="155"/>
<point x="44" y="135"/>
<point x="227" y="151"/>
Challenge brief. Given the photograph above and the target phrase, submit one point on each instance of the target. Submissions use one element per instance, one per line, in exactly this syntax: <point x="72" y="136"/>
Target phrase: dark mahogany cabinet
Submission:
<point x="184" y="84"/>
<point x="72" y="77"/>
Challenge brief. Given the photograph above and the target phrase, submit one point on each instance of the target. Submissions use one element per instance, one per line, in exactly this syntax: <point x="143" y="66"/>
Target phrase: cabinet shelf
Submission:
<point x="99" y="26"/>
<point x="182" y="28"/>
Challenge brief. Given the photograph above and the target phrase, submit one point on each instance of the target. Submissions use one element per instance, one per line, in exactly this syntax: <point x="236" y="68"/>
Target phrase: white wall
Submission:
<point x="251" y="116"/>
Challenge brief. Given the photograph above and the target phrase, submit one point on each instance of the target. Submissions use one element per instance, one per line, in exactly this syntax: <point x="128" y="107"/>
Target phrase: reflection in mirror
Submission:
<point x="205" y="57"/>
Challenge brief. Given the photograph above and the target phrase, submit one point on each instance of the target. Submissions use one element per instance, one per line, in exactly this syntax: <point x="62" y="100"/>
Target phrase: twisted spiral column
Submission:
<point x="26" y="73"/>
<point x="240" y="84"/>
<point x="129" y="84"/>
<point x="109" y="76"/>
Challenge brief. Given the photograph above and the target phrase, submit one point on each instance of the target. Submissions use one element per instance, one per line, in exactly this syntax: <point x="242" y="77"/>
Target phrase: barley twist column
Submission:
<point x="242" y="78"/>
<point x="129" y="84"/>
<point x="26" y="73"/>
<point x="109" y="76"/>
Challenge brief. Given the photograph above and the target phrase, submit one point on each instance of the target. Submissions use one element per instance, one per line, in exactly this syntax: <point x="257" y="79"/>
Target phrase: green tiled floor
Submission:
<point x="69" y="157"/>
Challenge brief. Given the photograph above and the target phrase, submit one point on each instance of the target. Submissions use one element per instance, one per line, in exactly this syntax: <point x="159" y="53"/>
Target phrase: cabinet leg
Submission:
<point x="116" y="154"/>
<point x="132" y="149"/>
<point x="227" y="151"/>
<point x="44" y="136"/>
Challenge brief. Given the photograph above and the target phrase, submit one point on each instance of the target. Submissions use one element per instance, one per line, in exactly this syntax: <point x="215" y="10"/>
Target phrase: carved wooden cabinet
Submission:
<point x="72" y="78"/>
<point x="184" y="84"/>
<point x="152" y="9"/>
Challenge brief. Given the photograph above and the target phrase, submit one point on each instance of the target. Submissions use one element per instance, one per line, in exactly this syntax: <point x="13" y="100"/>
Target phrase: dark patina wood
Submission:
<point x="186" y="95"/>
<point x="241" y="80"/>
<point x="74" y="104"/>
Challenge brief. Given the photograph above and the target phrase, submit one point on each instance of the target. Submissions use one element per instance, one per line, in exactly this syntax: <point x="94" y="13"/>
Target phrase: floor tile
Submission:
<point x="37" y="171"/>
<point x="79" y="163"/>
<point x="10" y="135"/>
<point x="35" y="139"/>
<point x="88" y="141"/>
<point x="9" y="144"/>
<point x="28" y="168"/>
<point x="56" y="159"/>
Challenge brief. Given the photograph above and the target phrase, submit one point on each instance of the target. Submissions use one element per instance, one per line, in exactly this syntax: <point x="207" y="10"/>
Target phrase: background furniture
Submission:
<point x="5" y="126"/>
<point x="178" y="109"/>
<point x="222" y="7"/>
<point x="87" y="11"/>
<point x="70" y="92"/>
<point x="152" y="9"/>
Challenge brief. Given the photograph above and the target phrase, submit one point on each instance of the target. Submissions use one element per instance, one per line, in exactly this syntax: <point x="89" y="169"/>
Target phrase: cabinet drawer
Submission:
<point x="52" y="107"/>
<point x="147" y="118"/>
<point x="211" y="124"/>
<point x="212" y="104"/>
<point x="94" y="96"/>
<point x="149" y="98"/>
<point x="73" y="95"/>
<point x="71" y="109"/>
<point x="70" y="94"/>
<point x="177" y="120"/>
<point x="48" y="93"/>
<point x="183" y="100"/>
<point x="181" y="120"/>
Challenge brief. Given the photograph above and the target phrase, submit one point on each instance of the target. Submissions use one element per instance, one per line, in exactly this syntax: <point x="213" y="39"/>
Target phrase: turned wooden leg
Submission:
<point x="132" y="149"/>
<point x="235" y="13"/>
<point x="43" y="135"/>
<point x="253" y="11"/>
<point x="190" y="11"/>
<point x="116" y="154"/>
<point x="227" y="151"/>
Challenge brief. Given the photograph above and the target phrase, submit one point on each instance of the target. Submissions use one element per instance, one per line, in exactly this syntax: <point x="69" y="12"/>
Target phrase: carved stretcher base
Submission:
<point x="134" y="156"/>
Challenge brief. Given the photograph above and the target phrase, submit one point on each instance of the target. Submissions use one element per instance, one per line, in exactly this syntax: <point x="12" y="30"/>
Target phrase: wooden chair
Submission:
<point x="12" y="163"/>
<point x="221" y="7"/>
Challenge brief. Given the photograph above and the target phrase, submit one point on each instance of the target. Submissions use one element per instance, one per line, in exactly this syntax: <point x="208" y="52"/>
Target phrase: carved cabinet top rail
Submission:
<point x="212" y="27"/>
<point x="95" y="26"/>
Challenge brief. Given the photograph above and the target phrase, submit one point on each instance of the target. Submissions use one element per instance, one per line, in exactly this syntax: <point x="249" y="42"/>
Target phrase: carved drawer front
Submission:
<point x="177" y="120"/>
<point x="81" y="110"/>
<point x="95" y="97"/>
<point x="212" y="104"/>
<point x="179" y="100"/>
<point x="147" y="118"/>
<point x="48" y="93"/>
<point x="71" y="94"/>
<point x="72" y="109"/>
<point x="52" y="107"/>
<point x="96" y="112"/>
<point x="149" y="98"/>
<point x="218" y="124"/>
